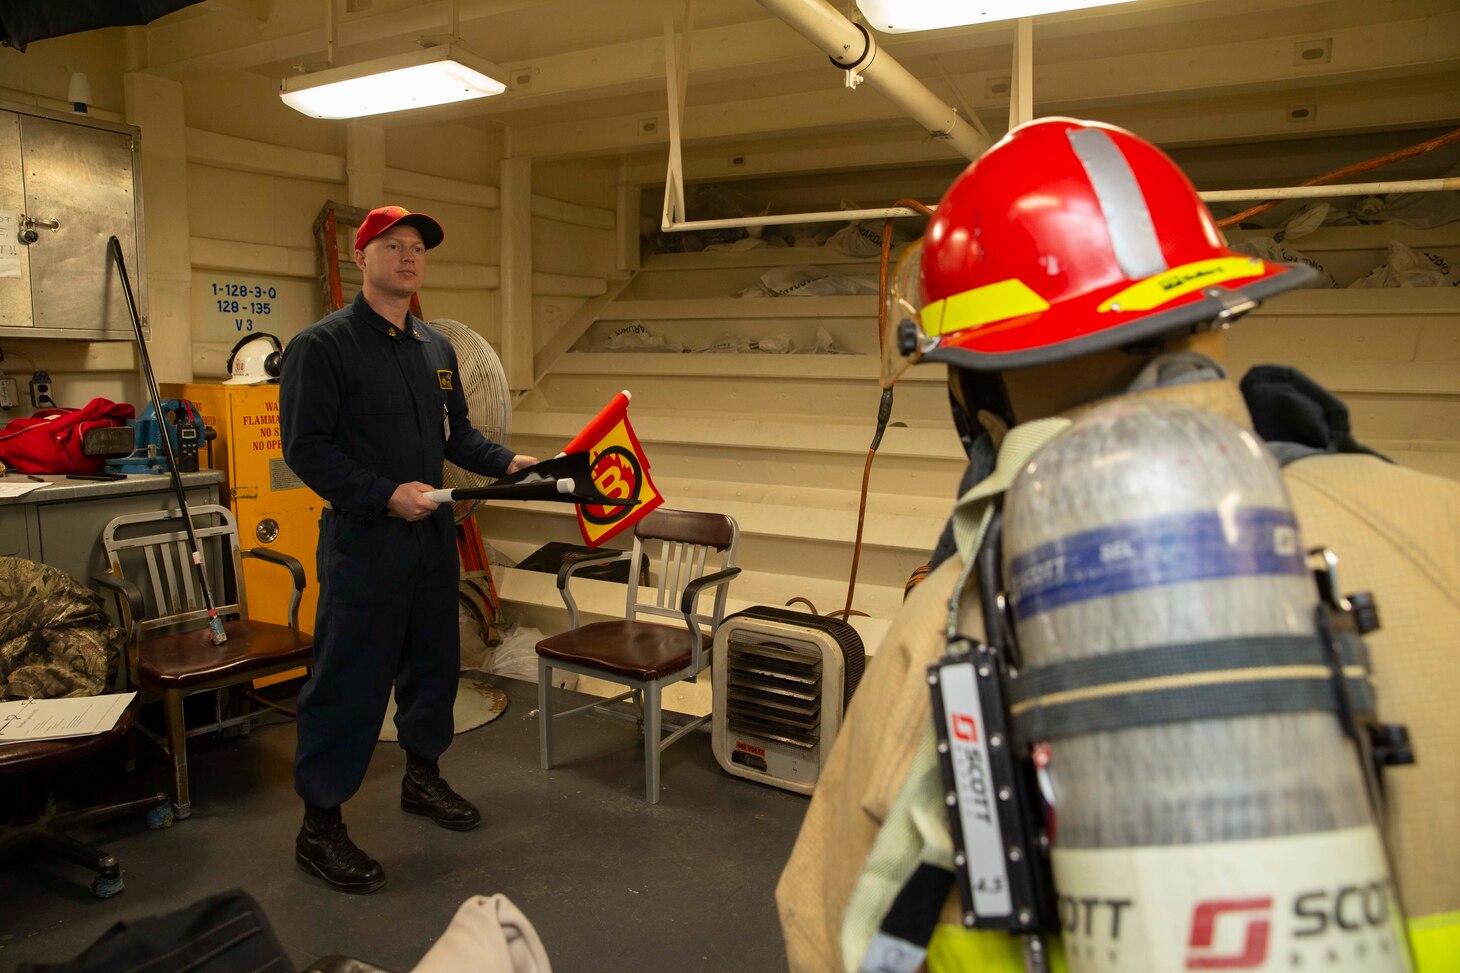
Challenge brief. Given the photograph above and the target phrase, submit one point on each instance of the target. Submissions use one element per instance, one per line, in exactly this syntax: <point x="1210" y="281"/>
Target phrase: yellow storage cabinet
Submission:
<point x="273" y="506"/>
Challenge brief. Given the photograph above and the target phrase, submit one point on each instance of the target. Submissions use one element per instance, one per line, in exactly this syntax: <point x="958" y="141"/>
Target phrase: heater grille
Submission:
<point x="774" y="691"/>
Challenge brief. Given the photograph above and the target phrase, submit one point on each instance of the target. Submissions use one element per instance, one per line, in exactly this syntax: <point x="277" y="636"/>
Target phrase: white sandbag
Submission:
<point x="1277" y="248"/>
<point x="775" y="344"/>
<point x="825" y="344"/>
<point x="744" y="243"/>
<point x="1410" y="268"/>
<point x="516" y="658"/>
<point x="729" y="345"/>
<point x="1269" y="249"/>
<point x="807" y="282"/>
<point x="1420" y="210"/>
<point x="859" y="239"/>
<point x="637" y="337"/>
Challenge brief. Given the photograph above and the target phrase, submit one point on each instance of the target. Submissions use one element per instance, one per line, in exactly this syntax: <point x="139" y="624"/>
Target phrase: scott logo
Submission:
<point x="1254" y="912"/>
<point x="964" y="727"/>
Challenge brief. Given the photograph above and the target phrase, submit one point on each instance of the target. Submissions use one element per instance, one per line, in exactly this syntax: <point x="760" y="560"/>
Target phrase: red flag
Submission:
<point x="620" y="469"/>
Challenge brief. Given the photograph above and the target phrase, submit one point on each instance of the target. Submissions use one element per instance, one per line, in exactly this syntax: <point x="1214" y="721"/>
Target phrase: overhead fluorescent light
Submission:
<point x="430" y="76"/>
<point x="903" y="16"/>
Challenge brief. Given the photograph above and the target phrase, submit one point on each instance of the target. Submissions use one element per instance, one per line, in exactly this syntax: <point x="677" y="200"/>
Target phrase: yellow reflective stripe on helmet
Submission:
<point x="981" y="306"/>
<point x="1180" y="281"/>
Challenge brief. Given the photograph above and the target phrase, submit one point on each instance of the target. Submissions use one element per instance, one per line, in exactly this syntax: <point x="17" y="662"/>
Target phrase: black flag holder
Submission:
<point x="563" y="479"/>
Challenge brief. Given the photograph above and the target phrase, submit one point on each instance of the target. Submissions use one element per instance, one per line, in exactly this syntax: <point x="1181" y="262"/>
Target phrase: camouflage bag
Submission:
<point x="55" y="637"/>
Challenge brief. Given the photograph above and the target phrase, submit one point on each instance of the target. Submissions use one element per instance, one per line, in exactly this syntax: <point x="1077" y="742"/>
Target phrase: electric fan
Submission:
<point x="481" y="379"/>
<point x="484" y="383"/>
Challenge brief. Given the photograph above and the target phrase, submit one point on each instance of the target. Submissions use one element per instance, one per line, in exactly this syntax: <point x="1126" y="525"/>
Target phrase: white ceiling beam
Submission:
<point x="295" y="30"/>
<point x="716" y="54"/>
<point x="254" y="13"/>
<point x="753" y="118"/>
<point x="1172" y="125"/>
<point x="1377" y="51"/>
<point x="1254" y="66"/>
<point x="845" y="150"/>
<point x="245" y="155"/>
<point x="766" y="47"/>
<point x="1087" y="88"/>
<point x="1385" y="106"/>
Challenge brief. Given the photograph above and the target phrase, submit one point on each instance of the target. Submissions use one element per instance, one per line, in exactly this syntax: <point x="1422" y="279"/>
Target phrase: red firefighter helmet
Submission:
<point x="1066" y="238"/>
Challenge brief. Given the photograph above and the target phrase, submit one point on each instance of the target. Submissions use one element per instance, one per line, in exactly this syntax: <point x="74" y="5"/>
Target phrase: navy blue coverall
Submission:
<point x="366" y="405"/>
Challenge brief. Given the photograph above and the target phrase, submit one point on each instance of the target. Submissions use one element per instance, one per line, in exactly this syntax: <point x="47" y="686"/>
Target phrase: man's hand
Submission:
<point x="409" y="502"/>
<point x="521" y="462"/>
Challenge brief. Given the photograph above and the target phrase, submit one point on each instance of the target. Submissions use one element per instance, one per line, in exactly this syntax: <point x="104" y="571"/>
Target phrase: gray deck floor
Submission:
<point x="610" y="882"/>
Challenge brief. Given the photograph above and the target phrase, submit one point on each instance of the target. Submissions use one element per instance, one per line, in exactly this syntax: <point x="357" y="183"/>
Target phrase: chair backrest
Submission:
<point x="153" y="552"/>
<point x="682" y="546"/>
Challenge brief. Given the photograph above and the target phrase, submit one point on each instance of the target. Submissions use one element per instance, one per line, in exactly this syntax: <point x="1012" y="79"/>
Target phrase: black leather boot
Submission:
<point x="324" y="848"/>
<point x="422" y="791"/>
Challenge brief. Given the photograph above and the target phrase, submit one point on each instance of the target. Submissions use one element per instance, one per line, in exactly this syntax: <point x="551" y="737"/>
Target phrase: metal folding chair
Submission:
<point x="696" y="555"/>
<point x="169" y="653"/>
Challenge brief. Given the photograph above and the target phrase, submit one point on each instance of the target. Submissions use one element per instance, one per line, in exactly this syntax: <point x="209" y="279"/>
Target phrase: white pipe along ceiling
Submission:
<point x="853" y="48"/>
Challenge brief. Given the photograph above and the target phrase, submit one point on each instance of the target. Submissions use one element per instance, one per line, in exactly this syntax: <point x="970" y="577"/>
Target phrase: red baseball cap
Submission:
<point x="377" y="221"/>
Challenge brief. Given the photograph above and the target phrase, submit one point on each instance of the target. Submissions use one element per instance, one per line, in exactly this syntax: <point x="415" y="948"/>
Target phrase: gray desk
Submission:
<point x="60" y="524"/>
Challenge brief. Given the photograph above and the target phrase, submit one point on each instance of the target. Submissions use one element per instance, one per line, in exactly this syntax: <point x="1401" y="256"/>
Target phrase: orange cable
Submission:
<point x="1349" y="170"/>
<point x="881" y="338"/>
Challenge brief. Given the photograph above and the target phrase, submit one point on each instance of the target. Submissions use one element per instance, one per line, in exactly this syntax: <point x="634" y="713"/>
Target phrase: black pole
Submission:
<point x="215" y="624"/>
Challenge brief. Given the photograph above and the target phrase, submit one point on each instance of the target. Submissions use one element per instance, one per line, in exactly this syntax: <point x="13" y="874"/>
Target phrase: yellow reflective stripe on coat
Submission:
<point x="954" y="949"/>
<point x="1435" y="940"/>
<point x="1177" y="282"/>
<point x="980" y="306"/>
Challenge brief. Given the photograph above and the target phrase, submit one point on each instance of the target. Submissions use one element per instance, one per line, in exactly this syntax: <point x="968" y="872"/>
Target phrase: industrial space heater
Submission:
<point x="782" y="682"/>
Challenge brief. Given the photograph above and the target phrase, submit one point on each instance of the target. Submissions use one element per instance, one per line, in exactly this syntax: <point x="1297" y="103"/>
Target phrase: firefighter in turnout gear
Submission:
<point x="1073" y="264"/>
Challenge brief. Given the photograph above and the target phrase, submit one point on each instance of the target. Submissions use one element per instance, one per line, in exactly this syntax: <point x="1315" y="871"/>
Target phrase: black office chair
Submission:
<point x="37" y="828"/>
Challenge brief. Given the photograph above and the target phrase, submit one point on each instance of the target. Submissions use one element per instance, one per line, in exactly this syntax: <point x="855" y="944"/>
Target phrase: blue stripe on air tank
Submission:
<point x="1139" y="554"/>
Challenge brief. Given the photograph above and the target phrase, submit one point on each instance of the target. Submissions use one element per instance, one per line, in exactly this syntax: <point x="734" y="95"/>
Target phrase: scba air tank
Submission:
<point x="1209" y="812"/>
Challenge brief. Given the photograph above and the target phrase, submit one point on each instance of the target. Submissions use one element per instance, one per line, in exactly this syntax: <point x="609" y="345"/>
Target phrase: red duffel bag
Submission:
<point x="50" y="440"/>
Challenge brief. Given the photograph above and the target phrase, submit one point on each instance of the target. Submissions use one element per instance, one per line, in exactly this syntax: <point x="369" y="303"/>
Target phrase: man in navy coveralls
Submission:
<point x="370" y="406"/>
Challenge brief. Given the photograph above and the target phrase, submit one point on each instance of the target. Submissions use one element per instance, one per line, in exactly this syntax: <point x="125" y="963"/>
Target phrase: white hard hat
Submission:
<point x="254" y="360"/>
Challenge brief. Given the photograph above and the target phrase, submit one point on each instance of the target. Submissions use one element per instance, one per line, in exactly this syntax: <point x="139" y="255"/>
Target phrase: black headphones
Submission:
<point x="272" y="362"/>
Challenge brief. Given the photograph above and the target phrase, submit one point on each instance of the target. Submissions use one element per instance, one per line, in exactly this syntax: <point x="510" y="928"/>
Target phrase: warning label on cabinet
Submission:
<point x="259" y="431"/>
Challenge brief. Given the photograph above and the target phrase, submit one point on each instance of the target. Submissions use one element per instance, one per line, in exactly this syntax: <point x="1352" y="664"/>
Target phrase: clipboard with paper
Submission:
<point x="60" y="719"/>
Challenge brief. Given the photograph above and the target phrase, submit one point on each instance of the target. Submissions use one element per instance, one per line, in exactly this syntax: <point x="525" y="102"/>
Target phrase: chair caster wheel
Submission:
<point x="160" y="817"/>
<point x="105" y="887"/>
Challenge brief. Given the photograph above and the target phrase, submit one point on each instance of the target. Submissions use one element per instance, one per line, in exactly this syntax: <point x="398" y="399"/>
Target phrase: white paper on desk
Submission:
<point x="14" y="488"/>
<point x="57" y="719"/>
<point x="9" y="245"/>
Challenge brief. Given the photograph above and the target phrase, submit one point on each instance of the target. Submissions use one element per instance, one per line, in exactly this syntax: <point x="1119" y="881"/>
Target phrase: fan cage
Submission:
<point x="483" y="382"/>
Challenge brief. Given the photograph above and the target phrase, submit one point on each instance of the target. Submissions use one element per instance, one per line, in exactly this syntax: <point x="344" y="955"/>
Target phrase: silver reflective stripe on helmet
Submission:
<point x="1132" y="232"/>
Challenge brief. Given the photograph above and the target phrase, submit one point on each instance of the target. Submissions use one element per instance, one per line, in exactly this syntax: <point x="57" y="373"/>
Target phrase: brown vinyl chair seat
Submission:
<point x="639" y="650"/>
<point x="161" y="605"/>
<point x="188" y="660"/>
